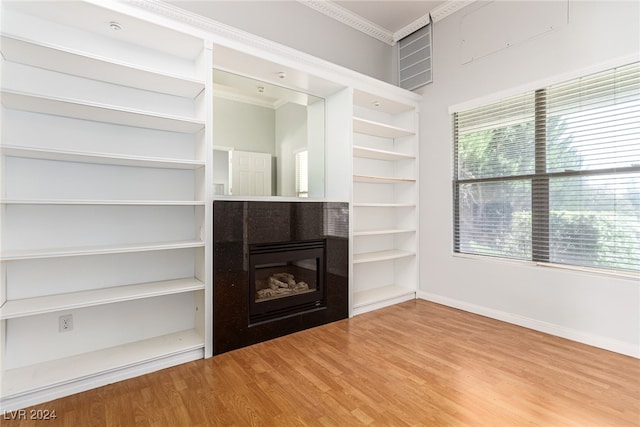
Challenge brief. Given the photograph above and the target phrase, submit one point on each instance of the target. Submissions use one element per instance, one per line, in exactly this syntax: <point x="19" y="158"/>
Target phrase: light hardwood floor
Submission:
<point x="413" y="364"/>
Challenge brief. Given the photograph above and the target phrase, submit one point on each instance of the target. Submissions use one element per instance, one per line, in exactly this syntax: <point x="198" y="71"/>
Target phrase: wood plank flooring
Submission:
<point x="413" y="364"/>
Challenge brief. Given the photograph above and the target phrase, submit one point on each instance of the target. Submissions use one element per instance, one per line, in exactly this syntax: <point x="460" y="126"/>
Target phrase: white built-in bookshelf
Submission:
<point x="104" y="203"/>
<point x="385" y="201"/>
<point x="106" y="186"/>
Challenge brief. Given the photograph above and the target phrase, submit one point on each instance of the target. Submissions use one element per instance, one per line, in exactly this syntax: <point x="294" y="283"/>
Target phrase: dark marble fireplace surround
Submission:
<point x="239" y="225"/>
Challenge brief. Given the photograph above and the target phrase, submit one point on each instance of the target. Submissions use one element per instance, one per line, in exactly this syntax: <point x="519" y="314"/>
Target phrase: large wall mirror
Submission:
<point x="268" y="140"/>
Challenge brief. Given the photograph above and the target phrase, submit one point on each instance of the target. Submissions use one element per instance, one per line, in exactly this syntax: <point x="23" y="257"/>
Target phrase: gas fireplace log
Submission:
<point x="301" y="286"/>
<point x="275" y="283"/>
<point x="278" y="287"/>
<point x="285" y="278"/>
<point x="265" y="293"/>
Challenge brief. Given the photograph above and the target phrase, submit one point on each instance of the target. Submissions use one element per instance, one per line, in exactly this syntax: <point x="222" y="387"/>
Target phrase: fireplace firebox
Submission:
<point x="286" y="279"/>
<point x="279" y="267"/>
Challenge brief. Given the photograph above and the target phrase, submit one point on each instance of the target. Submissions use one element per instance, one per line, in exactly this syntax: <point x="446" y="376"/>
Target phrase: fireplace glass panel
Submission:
<point x="286" y="278"/>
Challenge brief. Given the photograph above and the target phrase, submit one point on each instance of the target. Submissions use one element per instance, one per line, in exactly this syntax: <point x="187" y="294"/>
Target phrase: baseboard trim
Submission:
<point x="50" y="393"/>
<point x="537" y="325"/>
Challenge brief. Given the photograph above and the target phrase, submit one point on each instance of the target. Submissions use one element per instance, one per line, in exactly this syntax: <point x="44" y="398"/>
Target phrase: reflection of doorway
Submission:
<point x="250" y="173"/>
<point x="302" y="173"/>
<point x="221" y="172"/>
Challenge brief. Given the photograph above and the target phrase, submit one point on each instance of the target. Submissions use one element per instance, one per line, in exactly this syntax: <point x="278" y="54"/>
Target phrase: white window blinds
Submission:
<point x="553" y="175"/>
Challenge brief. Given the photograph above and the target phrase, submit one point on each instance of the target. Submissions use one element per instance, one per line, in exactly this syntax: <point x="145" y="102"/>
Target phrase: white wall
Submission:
<point x="338" y="160"/>
<point x="597" y="309"/>
<point x="243" y="126"/>
<point x="221" y="171"/>
<point x="291" y="137"/>
<point x="315" y="140"/>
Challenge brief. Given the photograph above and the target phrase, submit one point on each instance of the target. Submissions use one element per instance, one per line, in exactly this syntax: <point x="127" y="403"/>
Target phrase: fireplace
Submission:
<point x="279" y="267"/>
<point x="285" y="279"/>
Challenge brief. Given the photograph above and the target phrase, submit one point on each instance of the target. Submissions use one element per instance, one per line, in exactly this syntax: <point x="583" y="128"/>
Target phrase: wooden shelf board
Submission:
<point x="97" y="250"/>
<point x="80" y="202"/>
<point x="381" y="179"/>
<point x="383" y="293"/>
<point x="381" y="256"/>
<point x="382" y="130"/>
<point x="380" y="232"/>
<point x="81" y="64"/>
<point x="29" y="379"/>
<point x="372" y="153"/>
<point x="51" y="303"/>
<point x="99" y="112"/>
<point x="99" y="158"/>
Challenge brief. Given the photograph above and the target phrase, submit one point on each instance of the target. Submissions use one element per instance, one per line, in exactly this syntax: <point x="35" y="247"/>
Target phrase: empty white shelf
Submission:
<point x="384" y="205"/>
<point x="377" y="295"/>
<point x="99" y="158"/>
<point x="97" y="250"/>
<point x="380" y="256"/>
<point x="102" y="117"/>
<point x="51" y="303"/>
<point x="104" y="113"/>
<point x="385" y="201"/>
<point x="381" y="179"/>
<point x="381" y="232"/>
<point x="103" y="202"/>
<point x="371" y="153"/>
<point x="382" y="130"/>
<point x="90" y="66"/>
<point x="40" y="376"/>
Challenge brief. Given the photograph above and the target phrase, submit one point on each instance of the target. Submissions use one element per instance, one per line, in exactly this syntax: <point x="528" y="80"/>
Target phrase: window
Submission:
<point x="553" y="175"/>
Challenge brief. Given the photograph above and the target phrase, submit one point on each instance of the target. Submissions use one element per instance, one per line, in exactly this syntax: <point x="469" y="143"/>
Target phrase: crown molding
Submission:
<point x="351" y="19"/>
<point x="214" y="32"/>
<point x="411" y="28"/>
<point x="326" y="7"/>
<point x="228" y="33"/>
<point x="447" y="8"/>
<point x="341" y="14"/>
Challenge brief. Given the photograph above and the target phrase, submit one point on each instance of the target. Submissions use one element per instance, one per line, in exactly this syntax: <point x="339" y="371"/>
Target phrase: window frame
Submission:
<point x="540" y="189"/>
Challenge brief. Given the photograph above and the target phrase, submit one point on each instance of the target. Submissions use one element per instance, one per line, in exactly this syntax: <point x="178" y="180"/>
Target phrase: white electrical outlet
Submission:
<point x="65" y="323"/>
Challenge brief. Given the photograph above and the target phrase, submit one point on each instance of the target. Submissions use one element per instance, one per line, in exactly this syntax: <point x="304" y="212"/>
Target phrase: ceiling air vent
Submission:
<point x="414" y="59"/>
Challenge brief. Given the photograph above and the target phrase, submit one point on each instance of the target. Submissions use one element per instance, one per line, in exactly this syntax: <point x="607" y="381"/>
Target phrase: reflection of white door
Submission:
<point x="250" y="174"/>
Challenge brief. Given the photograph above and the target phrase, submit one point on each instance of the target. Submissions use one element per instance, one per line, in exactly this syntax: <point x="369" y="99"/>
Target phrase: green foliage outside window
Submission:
<point x="586" y="158"/>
